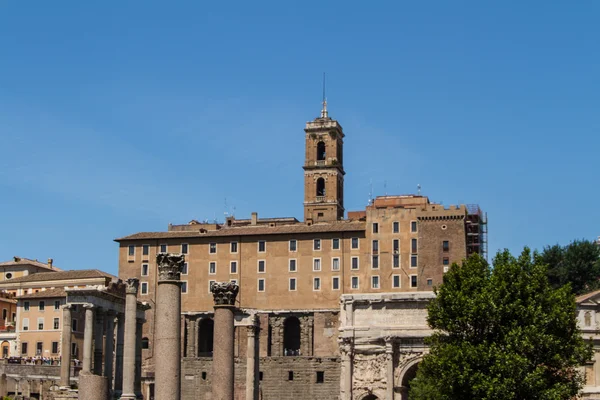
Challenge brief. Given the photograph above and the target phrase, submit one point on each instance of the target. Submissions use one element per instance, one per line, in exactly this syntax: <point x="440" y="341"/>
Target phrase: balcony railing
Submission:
<point x="321" y="199"/>
<point x="320" y="163"/>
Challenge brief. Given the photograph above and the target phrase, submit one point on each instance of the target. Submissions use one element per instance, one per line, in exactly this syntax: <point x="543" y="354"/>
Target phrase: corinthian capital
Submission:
<point x="169" y="266"/>
<point x="132" y="285"/>
<point x="224" y="293"/>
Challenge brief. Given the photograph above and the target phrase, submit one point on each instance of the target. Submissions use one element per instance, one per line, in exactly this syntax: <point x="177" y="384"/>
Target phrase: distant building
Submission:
<point x="293" y="274"/>
<point x="588" y="318"/>
<point x="20" y="266"/>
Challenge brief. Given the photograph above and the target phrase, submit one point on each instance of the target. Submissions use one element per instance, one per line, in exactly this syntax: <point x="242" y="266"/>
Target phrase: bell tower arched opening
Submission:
<point x="320" y="187"/>
<point x="321" y="153"/>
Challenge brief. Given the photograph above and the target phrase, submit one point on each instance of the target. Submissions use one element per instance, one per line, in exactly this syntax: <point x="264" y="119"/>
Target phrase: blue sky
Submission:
<point x="119" y="117"/>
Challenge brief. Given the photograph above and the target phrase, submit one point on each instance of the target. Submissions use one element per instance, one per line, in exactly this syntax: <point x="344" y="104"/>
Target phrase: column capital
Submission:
<point x="251" y="330"/>
<point x="389" y="345"/>
<point x="224" y="293"/>
<point x="89" y="306"/>
<point x="169" y="267"/>
<point x="68" y="307"/>
<point x="346" y="346"/>
<point x="132" y="285"/>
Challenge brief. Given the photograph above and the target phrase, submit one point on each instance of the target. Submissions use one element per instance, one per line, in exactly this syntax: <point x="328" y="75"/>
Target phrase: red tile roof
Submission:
<point x="49" y="293"/>
<point x="60" y="276"/>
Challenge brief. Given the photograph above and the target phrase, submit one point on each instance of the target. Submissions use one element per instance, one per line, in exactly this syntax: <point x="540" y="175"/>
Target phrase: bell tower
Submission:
<point x="324" y="169"/>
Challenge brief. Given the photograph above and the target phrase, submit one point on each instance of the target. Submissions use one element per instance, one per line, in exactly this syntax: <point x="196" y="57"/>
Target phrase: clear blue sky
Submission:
<point x="119" y="117"/>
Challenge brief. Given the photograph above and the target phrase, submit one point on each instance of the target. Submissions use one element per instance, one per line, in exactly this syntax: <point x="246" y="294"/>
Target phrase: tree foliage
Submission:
<point x="577" y="263"/>
<point x="501" y="333"/>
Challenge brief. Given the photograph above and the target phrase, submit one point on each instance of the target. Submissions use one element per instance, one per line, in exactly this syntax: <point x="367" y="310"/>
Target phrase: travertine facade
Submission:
<point x="293" y="274"/>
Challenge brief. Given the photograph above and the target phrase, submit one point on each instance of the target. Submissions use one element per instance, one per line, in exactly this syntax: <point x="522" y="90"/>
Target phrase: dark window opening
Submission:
<point x="321" y="154"/>
<point x="446" y="245"/>
<point x="260" y="375"/>
<point x="320" y="214"/>
<point x="203" y="375"/>
<point x="446" y="261"/>
<point x="205" y="337"/>
<point x="414" y="245"/>
<point x="291" y="336"/>
<point x="320" y="187"/>
<point x="320" y="376"/>
<point x="290" y="375"/>
<point x="375" y="227"/>
<point x="145" y="343"/>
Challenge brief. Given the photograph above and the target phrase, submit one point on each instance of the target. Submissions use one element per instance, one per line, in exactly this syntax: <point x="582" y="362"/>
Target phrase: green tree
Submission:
<point x="502" y="333"/>
<point x="577" y="263"/>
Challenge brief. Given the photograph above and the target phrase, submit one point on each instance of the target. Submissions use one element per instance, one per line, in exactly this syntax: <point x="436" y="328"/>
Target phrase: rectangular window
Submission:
<point x="261" y="285"/>
<point x="395" y="281"/>
<point x="262" y="266"/>
<point x="210" y="285"/>
<point x="320" y="376"/>
<point x="396" y="261"/>
<point x="354" y="243"/>
<point x="316" y="283"/>
<point x="413" y="226"/>
<point x="292" y="284"/>
<point x="335" y="283"/>
<point x="163" y="248"/>
<point x="396" y="227"/>
<point x="233" y="267"/>
<point x="335" y="264"/>
<point x="292" y="265"/>
<point x="446" y="261"/>
<point x="24" y="348"/>
<point x="293" y="245"/>
<point x="375" y="227"/>
<point x="183" y="287"/>
<point x="413" y="281"/>
<point x="56" y="304"/>
<point x="144" y="288"/>
<point x="184" y="248"/>
<point x="375" y="263"/>
<point x="375" y="246"/>
<point x="56" y="323"/>
<point x="354" y="282"/>
<point x="145" y="269"/>
<point x="316" y="264"/>
<point x="212" y="248"/>
<point x="262" y="246"/>
<point x="375" y="282"/>
<point x="335" y="244"/>
<point x="54" y="347"/>
<point x="184" y="270"/>
<point x="212" y="267"/>
<point x="26" y="306"/>
<point x="39" y="347"/>
<point x="446" y="245"/>
<point x="131" y="250"/>
<point x="413" y="245"/>
<point x="396" y="246"/>
<point x="40" y="322"/>
<point x="354" y="263"/>
<point x="74" y="325"/>
<point x="74" y="349"/>
<point x="233" y="247"/>
<point x="429" y="282"/>
<point x="42" y="305"/>
<point x="290" y="375"/>
<point x="145" y="249"/>
<point x="317" y="244"/>
<point x="413" y="261"/>
<point x="25" y="324"/>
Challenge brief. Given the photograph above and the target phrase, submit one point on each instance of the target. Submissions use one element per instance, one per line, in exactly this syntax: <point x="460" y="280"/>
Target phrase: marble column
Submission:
<point x="109" y="347"/>
<point x="167" y="337"/>
<point x="137" y="387"/>
<point x="190" y="351"/>
<point x="346" y="370"/>
<point x="129" y="342"/>
<point x="251" y="363"/>
<point x="88" y="335"/>
<point x="223" y="347"/>
<point x="98" y="342"/>
<point x="65" y="348"/>
<point x="3" y="385"/>
<point x="118" y="385"/>
<point x="389" y="360"/>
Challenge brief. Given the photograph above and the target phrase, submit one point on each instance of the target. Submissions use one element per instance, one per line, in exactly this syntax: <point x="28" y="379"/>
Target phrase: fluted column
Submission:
<point x="137" y="387"/>
<point x="346" y="370"/>
<point x="167" y="337"/>
<point x="129" y="345"/>
<point x="389" y="359"/>
<point x="109" y="347"/>
<point x="88" y="335"/>
<point x="223" y="346"/>
<point x="118" y="385"/>
<point x="65" y="348"/>
<point x="251" y="363"/>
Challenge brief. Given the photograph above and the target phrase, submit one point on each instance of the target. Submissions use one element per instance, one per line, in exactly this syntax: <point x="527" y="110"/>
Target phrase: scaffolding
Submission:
<point x="476" y="231"/>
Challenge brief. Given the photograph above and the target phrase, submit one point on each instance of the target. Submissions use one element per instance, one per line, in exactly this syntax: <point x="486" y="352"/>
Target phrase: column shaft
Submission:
<point x="137" y="386"/>
<point x="222" y="371"/>
<point x="65" y="348"/>
<point x="98" y="342"/>
<point x="389" y="358"/>
<point x="118" y="385"/>
<point x="167" y="339"/>
<point x="109" y="348"/>
<point x="88" y="334"/>
<point x="251" y="364"/>
<point x="129" y="345"/>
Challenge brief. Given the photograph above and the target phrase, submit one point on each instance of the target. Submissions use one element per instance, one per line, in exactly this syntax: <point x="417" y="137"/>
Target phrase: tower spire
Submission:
<point x="324" y="113"/>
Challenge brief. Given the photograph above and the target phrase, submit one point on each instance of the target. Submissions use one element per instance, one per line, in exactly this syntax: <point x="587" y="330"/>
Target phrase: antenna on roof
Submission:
<point x="324" y="110"/>
<point x="419" y="189"/>
<point x="225" y="212"/>
<point x="370" y="192"/>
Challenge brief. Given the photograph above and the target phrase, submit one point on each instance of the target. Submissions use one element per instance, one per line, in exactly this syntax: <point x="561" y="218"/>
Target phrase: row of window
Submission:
<point x="39" y="348"/>
<point x="395" y="227"/>
<point x="40" y="324"/>
<point x="41" y="305"/>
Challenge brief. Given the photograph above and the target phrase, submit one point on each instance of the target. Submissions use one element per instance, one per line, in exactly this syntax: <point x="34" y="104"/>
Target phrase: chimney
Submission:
<point x="50" y="261"/>
<point x="254" y="218"/>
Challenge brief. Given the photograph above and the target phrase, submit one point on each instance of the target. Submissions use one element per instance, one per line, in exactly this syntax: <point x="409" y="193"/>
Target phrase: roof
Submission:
<point x="56" y="292"/>
<point x="587" y="296"/>
<point x="61" y="276"/>
<point x="339" y="226"/>
<point x="26" y="261"/>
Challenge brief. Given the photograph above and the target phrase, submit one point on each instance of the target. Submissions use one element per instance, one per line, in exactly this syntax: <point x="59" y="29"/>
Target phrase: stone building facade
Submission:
<point x="293" y="274"/>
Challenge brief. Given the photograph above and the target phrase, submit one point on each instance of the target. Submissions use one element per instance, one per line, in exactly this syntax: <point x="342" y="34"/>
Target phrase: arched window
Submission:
<point x="145" y="343"/>
<point x="291" y="336"/>
<point x="205" y="337"/>
<point x="321" y="151"/>
<point x="320" y="187"/>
